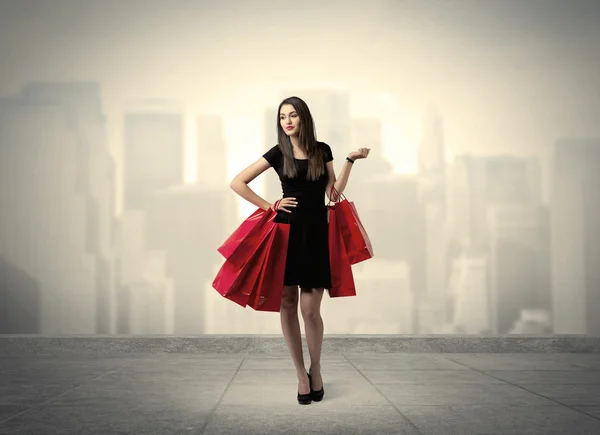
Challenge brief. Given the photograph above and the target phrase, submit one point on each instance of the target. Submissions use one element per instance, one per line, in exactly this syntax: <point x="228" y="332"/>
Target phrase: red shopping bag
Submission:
<point x="237" y="237"/>
<point x="267" y="292"/>
<point x="342" y="280"/>
<point x="253" y="273"/>
<point x="236" y="283"/>
<point x="357" y="242"/>
<point x="242" y="242"/>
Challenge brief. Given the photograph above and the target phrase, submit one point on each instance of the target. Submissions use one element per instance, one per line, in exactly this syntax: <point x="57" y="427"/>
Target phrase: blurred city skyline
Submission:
<point x="494" y="69"/>
<point x="122" y="124"/>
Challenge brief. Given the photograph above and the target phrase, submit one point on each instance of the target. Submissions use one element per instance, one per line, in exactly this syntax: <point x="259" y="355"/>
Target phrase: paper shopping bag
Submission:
<point x="356" y="241"/>
<point x="267" y="292"/>
<point x="342" y="279"/>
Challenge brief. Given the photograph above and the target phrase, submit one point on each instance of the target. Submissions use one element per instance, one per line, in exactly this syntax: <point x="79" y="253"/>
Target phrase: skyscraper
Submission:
<point x="211" y="152"/>
<point x="518" y="267"/>
<point x="496" y="215"/>
<point x="153" y="154"/>
<point x="58" y="208"/>
<point x="96" y="178"/>
<point x="432" y="196"/>
<point x="575" y="236"/>
<point x="146" y="291"/>
<point x="189" y="223"/>
<point x="367" y="133"/>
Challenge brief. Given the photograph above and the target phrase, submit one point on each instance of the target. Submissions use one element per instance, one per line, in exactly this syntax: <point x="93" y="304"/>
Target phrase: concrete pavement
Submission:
<point x="255" y="393"/>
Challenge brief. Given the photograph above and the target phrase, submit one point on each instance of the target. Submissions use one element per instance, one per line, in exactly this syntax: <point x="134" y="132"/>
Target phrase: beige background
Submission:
<point x="422" y="83"/>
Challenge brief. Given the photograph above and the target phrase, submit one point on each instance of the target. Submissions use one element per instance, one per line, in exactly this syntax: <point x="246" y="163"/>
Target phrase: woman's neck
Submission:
<point x="295" y="141"/>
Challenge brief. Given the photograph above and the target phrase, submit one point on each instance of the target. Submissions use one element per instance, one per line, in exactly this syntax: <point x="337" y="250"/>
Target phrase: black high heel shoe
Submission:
<point x="317" y="396"/>
<point x="305" y="399"/>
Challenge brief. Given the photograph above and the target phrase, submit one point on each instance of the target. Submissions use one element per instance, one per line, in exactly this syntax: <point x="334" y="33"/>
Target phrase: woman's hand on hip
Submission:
<point x="284" y="203"/>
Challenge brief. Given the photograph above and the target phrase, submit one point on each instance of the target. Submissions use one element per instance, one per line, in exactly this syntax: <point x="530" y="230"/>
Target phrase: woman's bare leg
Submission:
<point x="310" y="306"/>
<point x="290" y="325"/>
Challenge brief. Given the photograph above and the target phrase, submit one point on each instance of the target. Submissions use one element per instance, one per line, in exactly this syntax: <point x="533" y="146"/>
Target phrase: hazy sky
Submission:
<point x="507" y="76"/>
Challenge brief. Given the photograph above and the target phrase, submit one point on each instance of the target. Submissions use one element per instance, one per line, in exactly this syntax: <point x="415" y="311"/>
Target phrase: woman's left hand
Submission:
<point x="362" y="153"/>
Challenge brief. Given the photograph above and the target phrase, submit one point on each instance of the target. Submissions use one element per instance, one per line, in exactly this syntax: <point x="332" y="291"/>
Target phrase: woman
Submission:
<point x="305" y="169"/>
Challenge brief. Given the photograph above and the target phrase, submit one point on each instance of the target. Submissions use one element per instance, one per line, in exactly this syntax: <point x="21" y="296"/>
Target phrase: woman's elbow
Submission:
<point x="329" y="191"/>
<point x="236" y="183"/>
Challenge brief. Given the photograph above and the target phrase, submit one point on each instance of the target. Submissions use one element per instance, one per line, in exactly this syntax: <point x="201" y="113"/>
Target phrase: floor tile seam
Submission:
<point x="486" y="371"/>
<point x="533" y="370"/>
<point x="50" y="399"/>
<point x="294" y="406"/>
<point x="474" y="407"/>
<point x="404" y="417"/>
<point x="372" y="369"/>
<point x="587" y="369"/>
<point x="213" y="411"/>
<point x="506" y="405"/>
<point x="558" y="384"/>
<point x="559" y="405"/>
<point x="462" y="418"/>
<point x="436" y="384"/>
<point x="531" y="392"/>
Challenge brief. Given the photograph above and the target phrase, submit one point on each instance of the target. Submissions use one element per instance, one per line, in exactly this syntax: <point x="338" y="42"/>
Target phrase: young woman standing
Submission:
<point x="305" y="169"/>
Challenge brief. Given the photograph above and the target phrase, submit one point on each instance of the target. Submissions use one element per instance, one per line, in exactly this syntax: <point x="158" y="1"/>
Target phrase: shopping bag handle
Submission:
<point x="337" y="195"/>
<point x="275" y="205"/>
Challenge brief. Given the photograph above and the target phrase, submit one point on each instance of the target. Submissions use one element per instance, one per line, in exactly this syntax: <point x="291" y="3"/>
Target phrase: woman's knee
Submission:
<point x="310" y="305"/>
<point x="311" y="314"/>
<point x="289" y="299"/>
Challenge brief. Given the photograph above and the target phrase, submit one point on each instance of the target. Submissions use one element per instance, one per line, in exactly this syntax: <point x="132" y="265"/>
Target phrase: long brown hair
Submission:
<point x="307" y="142"/>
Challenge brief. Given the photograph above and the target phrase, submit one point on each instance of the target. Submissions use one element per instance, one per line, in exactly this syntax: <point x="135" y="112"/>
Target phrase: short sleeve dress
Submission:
<point x="307" y="261"/>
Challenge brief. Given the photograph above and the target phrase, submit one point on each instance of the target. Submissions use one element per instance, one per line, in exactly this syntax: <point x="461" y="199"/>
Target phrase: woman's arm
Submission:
<point x="340" y="183"/>
<point x="240" y="182"/>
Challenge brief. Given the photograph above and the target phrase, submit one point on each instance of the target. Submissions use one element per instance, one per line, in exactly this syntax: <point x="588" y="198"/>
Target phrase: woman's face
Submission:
<point x="289" y="120"/>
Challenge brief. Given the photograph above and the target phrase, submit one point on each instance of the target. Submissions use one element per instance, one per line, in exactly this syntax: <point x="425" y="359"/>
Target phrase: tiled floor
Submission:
<point x="376" y="393"/>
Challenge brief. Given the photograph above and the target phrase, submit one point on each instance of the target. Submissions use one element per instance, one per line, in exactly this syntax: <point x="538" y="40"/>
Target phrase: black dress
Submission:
<point x="307" y="261"/>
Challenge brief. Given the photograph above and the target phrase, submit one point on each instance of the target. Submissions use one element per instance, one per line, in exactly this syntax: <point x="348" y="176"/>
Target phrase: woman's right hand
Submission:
<point x="284" y="203"/>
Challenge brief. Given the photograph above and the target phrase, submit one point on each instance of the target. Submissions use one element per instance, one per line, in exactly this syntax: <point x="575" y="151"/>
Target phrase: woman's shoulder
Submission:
<point x="274" y="149"/>
<point x="327" y="150"/>
<point x="273" y="155"/>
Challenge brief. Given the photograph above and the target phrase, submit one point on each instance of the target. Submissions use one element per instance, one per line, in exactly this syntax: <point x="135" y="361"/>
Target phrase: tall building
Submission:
<point x="211" y="154"/>
<point x="477" y="182"/>
<point x="366" y="133"/>
<point x="432" y="148"/>
<point x="471" y="311"/>
<point x="460" y="192"/>
<point x="153" y="154"/>
<point x="495" y="206"/>
<point x="189" y="223"/>
<point x="146" y="292"/>
<point x="56" y="164"/>
<point x="96" y="172"/>
<point x="57" y="230"/>
<point x="383" y="305"/>
<point x="575" y="236"/>
<point x="432" y="196"/>
<point x="518" y="266"/>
